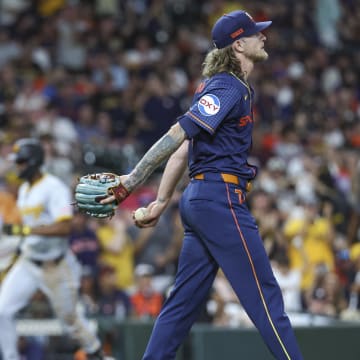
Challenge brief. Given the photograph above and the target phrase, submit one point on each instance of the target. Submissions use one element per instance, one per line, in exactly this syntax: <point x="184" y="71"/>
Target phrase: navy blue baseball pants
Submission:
<point x="221" y="232"/>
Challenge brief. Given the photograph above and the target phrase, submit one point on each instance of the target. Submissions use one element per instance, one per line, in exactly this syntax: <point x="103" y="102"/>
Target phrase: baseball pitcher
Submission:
<point x="214" y="137"/>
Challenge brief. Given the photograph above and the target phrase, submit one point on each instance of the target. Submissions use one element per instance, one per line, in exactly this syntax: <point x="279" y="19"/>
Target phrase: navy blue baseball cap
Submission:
<point x="235" y="25"/>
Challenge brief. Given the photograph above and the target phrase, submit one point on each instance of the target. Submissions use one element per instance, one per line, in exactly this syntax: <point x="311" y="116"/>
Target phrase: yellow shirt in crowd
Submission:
<point x="122" y="261"/>
<point x="316" y="248"/>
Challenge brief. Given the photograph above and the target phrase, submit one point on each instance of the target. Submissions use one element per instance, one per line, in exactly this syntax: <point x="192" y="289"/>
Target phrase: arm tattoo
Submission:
<point x="159" y="152"/>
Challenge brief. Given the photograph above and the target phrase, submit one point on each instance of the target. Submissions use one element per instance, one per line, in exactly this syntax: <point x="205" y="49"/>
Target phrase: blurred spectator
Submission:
<point x="10" y="86"/>
<point x="344" y="267"/>
<point x="142" y="55"/>
<point x="9" y="214"/>
<point x="84" y="243"/>
<point x="114" y="304"/>
<point x="32" y="348"/>
<point x="354" y="302"/>
<point x="29" y="100"/>
<point x="35" y="347"/>
<point x="106" y="72"/>
<point x="326" y="296"/>
<point x="272" y="178"/>
<point x="10" y="10"/>
<point x="39" y="307"/>
<point x="165" y="261"/>
<point x="327" y="15"/>
<point x="108" y="7"/>
<point x="315" y="235"/>
<point x="71" y="26"/>
<point x="61" y="129"/>
<point x="146" y="301"/>
<point x="160" y="246"/>
<point x="117" y="248"/>
<point x="86" y="126"/>
<point x="89" y="293"/>
<point x="112" y="301"/>
<point x="354" y="222"/>
<point x="264" y="209"/>
<point x="288" y="145"/>
<point x="56" y="163"/>
<point x="224" y="307"/>
<point x="9" y="48"/>
<point x="158" y="111"/>
<point x="289" y="281"/>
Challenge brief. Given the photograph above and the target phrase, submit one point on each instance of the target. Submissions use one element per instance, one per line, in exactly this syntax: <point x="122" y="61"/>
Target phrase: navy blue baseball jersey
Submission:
<point x="222" y="104"/>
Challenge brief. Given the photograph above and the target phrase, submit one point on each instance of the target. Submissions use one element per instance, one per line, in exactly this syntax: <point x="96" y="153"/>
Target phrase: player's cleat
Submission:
<point x="82" y="355"/>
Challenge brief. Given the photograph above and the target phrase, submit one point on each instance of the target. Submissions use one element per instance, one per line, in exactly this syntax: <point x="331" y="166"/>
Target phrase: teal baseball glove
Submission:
<point x="93" y="188"/>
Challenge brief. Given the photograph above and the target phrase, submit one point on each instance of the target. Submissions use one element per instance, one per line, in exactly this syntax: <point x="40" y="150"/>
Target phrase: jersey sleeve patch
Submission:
<point x="210" y="108"/>
<point x="209" y="105"/>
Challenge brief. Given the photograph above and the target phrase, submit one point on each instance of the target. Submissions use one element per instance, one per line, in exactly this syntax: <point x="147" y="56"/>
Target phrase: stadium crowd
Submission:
<point x="99" y="81"/>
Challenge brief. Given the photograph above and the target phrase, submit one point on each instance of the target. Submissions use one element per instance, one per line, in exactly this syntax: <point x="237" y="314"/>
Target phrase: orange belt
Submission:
<point x="228" y="178"/>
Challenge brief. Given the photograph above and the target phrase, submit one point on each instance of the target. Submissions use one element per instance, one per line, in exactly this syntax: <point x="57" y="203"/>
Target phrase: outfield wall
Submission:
<point x="333" y="342"/>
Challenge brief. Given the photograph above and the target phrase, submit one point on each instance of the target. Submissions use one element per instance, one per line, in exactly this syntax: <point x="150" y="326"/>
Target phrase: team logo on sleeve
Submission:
<point x="209" y="105"/>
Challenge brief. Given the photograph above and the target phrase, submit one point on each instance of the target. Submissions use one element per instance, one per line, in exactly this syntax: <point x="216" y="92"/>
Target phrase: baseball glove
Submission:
<point x="92" y="188"/>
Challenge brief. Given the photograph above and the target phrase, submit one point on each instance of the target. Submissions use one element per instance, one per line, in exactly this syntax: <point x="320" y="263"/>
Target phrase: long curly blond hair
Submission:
<point x="221" y="60"/>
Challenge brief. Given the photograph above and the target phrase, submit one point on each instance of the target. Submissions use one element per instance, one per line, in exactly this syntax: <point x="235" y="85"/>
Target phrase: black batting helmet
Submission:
<point x="31" y="152"/>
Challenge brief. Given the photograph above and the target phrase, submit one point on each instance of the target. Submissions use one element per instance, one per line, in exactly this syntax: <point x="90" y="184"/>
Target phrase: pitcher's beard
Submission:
<point x="256" y="56"/>
<point x="260" y="56"/>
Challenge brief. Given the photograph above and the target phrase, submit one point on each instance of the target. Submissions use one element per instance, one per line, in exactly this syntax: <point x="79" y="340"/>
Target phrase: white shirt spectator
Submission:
<point x="289" y="281"/>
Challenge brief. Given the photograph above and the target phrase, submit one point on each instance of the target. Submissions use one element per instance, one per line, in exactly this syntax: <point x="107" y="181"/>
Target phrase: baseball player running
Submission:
<point x="45" y="262"/>
<point x="219" y="229"/>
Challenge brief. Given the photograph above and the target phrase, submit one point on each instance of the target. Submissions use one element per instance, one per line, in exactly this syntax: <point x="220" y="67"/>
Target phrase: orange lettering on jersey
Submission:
<point x="241" y="196"/>
<point x="200" y="87"/>
<point x="245" y="120"/>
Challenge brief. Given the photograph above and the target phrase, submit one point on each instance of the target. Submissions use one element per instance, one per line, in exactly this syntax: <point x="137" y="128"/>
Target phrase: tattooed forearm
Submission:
<point x="173" y="172"/>
<point x="159" y="152"/>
